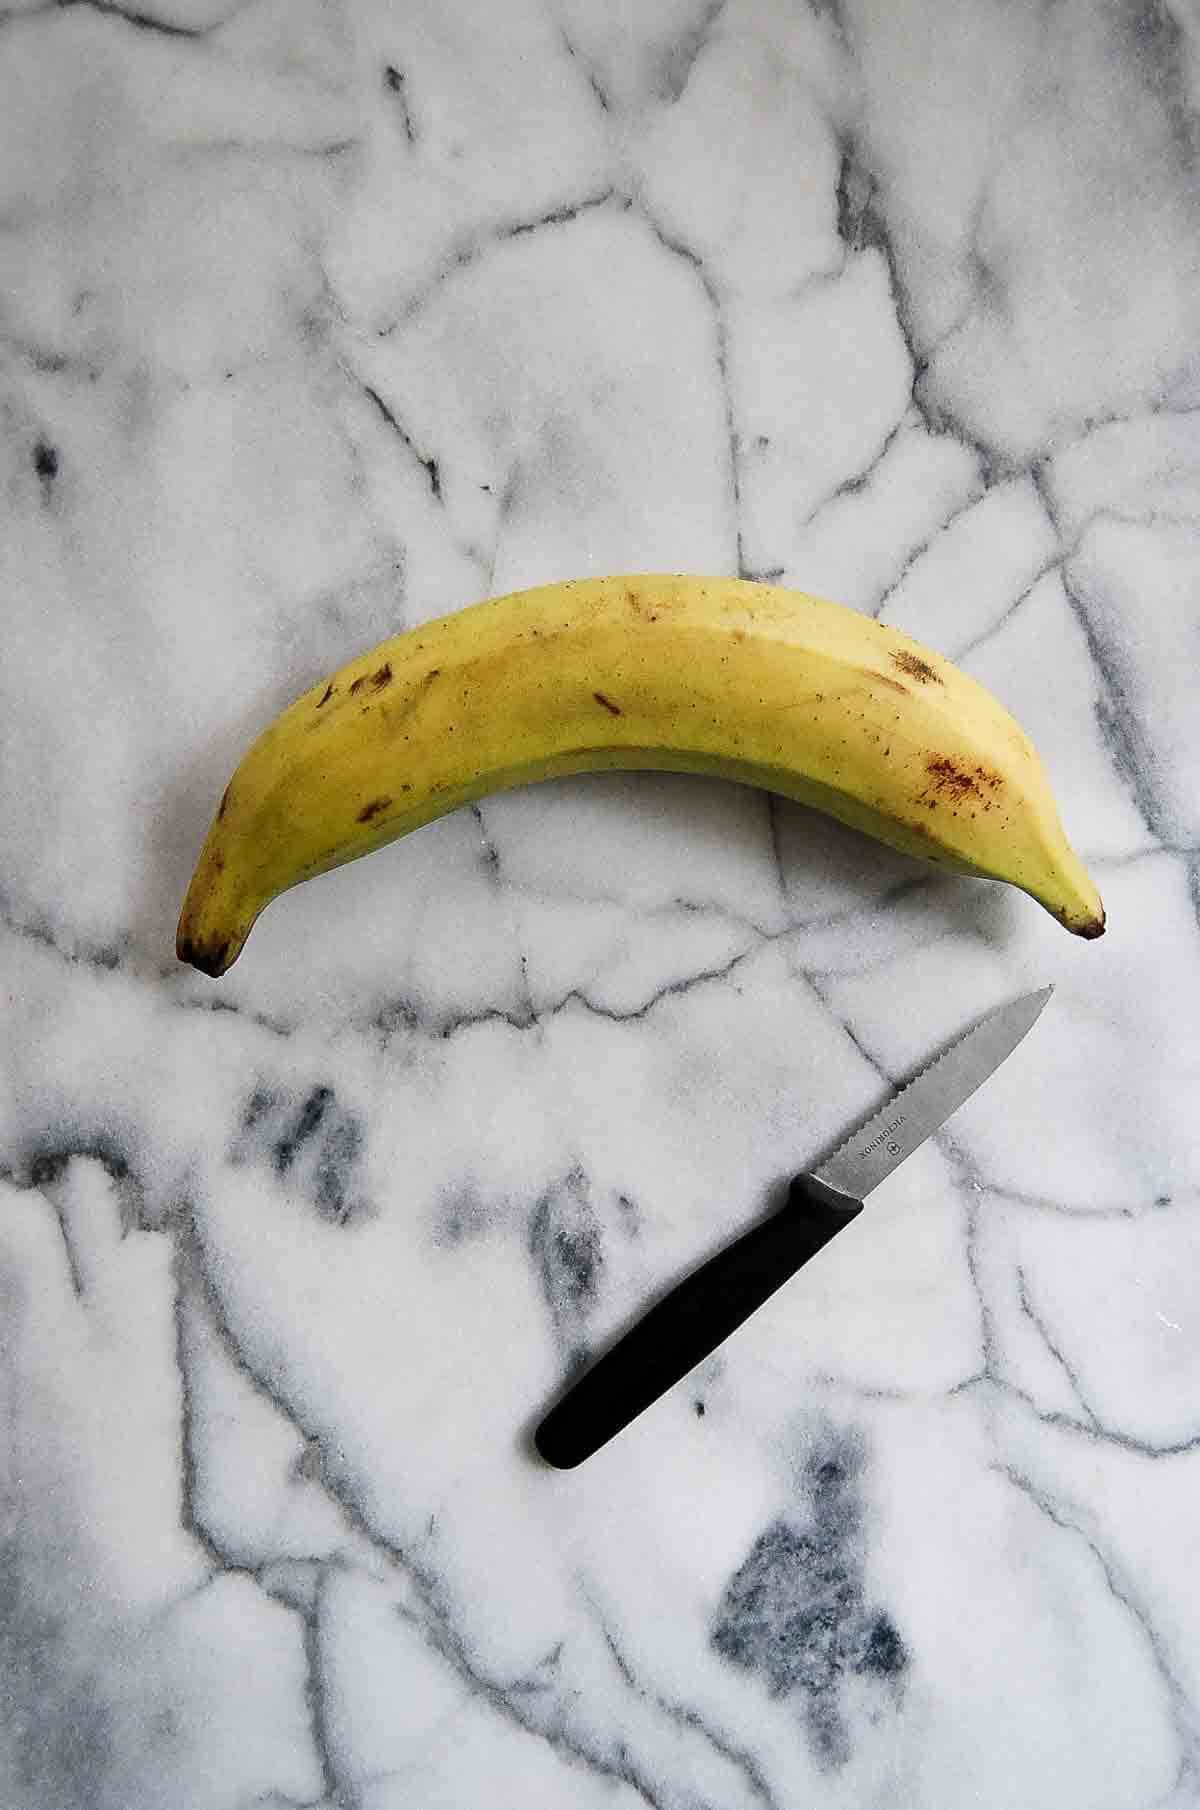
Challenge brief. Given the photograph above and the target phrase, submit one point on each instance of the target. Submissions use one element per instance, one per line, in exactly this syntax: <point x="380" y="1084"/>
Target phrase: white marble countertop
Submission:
<point x="319" y="318"/>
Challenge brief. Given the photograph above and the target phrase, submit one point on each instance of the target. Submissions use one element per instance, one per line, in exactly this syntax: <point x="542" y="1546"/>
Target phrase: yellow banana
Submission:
<point x="750" y="682"/>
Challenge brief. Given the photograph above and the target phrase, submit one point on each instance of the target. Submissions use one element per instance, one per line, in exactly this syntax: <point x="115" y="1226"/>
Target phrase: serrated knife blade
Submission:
<point x="923" y="1105"/>
<point x="701" y="1311"/>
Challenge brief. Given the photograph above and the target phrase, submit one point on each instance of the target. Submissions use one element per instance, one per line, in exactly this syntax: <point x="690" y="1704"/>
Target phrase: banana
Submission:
<point x="721" y="676"/>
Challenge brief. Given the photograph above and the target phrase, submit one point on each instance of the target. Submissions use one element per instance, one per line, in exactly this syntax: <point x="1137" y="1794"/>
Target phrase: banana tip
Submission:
<point x="211" y="958"/>
<point x="1087" y="921"/>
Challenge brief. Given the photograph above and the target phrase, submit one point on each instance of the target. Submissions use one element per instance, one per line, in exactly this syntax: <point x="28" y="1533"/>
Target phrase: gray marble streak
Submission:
<point x="319" y="321"/>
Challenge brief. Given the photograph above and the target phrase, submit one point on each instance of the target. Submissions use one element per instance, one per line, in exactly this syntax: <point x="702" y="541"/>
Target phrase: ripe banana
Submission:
<point x="751" y="682"/>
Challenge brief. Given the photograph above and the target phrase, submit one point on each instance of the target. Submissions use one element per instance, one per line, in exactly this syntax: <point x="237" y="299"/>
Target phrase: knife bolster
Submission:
<point x="817" y="1197"/>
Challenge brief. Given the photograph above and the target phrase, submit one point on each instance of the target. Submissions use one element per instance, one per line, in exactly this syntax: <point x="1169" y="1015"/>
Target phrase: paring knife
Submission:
<point x="699" y="1314"/>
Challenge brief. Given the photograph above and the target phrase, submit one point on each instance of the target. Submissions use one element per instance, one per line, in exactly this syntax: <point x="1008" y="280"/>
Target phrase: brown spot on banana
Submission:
<point x="915" y="667"/>
<point x="377" y="680"/>
<point x="947" y="782"/>
<point x="372" y="809"/>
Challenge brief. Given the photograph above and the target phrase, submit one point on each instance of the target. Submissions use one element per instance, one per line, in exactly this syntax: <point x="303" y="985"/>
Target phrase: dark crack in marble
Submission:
<point x="680" y="249"/>
<point x="1052" y="1345"/>
<point x="685" y="1716"/>
<point x="138" y="19"/>
<point x="602" y="97"/>
<point x="472" y="246"/>
<point x="333" y="1771"/>
<point x="1122" y="729"/>
<point x="677" y="61"/>
<point x="864" y="228"/>
<point x="396" y="82"/>
<point x="1121" y="1588"/>
<point x="36" y="927"/>
<point x="427" y="462"/>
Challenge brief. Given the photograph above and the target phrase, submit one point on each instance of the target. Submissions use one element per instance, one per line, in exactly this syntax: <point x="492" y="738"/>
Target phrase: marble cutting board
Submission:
<point x="318" y="319"/>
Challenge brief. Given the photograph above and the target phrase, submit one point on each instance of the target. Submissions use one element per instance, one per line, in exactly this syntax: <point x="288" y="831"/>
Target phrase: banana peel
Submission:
<point x="755" y="683"/>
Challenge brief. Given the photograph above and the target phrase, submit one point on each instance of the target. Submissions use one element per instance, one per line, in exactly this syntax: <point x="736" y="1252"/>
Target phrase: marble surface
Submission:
<point x="322" y="317"/>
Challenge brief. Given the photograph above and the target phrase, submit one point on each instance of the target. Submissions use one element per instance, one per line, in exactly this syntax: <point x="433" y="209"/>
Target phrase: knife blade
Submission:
<point x="707" y="1306"/>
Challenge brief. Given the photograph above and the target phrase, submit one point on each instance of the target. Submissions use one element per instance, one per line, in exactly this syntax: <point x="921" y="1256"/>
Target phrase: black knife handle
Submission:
<point x="687" y="1324"/>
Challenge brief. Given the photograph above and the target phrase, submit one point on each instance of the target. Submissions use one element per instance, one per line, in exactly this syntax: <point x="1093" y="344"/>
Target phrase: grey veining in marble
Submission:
<point x="319" y="318"/>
